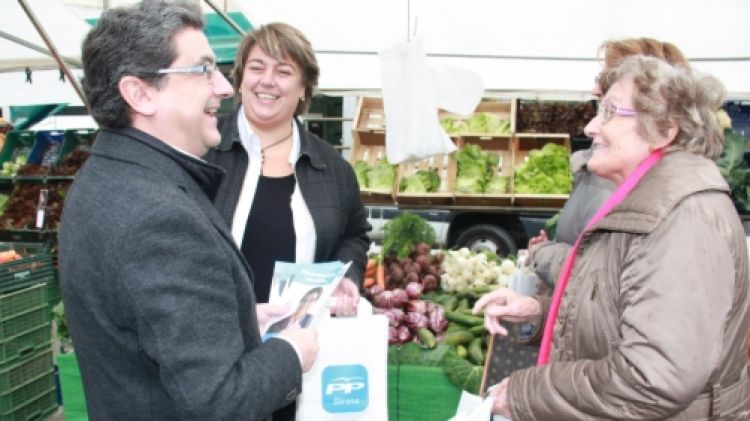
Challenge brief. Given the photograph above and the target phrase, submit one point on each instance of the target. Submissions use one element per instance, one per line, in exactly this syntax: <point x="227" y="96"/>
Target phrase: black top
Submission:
<point x="269" y="232"/>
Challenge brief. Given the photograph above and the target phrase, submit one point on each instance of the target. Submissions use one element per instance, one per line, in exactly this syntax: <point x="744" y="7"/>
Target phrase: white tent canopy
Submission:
<point x="64" y="28"/>
<point x="530" y="47"/>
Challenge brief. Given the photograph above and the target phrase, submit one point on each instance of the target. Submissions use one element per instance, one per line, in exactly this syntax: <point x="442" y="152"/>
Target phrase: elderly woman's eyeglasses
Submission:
<point x="607" y="111"/>
<point x="202" y="69"/>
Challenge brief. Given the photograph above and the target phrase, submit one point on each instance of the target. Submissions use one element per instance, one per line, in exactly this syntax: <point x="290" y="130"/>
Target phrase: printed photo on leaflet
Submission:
<point x="307" y="287"/>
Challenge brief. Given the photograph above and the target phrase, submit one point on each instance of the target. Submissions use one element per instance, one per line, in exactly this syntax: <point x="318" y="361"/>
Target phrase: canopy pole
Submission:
<point x="225" y="17"/>
<point x="13" y="38"/>
<point x="53" y="51"/>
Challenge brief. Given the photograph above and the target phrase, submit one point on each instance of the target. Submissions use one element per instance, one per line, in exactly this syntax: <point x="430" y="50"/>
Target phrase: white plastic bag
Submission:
<point x="412" y="93"/>
<point x="349" y="378"/>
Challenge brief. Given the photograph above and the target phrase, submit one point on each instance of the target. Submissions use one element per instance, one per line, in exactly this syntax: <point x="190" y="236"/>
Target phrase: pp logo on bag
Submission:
<point x="345" y="388"/>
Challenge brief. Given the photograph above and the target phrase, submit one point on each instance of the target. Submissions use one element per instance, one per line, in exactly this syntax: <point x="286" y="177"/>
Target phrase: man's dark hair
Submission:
<point x="131" y="41"/>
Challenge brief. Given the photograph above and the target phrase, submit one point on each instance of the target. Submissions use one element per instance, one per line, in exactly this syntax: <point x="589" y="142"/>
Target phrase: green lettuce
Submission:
<point x="546" y="171"/>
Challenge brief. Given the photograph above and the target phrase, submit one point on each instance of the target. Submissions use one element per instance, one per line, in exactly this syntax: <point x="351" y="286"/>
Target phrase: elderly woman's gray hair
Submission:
<point x="666" y="95"/>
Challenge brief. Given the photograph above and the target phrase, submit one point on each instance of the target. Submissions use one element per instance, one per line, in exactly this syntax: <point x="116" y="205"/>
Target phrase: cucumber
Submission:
<point x="426" y="337"/>
<point x="477" y="330"/>
<point x="449" y="303"/>
<point x="463" y="304"/>
<point x="461" y="351"/>
<point x="458" y="337"/>
<point x="463" y="319"/>
<point x="454" y="326"/>
<point x="475" y="351"/>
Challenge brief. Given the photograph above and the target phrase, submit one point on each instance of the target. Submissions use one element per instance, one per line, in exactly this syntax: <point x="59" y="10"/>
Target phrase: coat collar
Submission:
<point x="230" y="135"/>
<point x="139" y="148"/>
<point x="678" y="175"/>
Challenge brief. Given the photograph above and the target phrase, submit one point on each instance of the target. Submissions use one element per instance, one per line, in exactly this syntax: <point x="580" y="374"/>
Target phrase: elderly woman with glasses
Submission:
<point x="589" y="190"/>
<point x="651" y="311"/>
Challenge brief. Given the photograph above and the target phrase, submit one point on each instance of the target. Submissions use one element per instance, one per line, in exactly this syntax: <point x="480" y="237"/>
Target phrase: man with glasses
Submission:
<point x="158" y="297"/>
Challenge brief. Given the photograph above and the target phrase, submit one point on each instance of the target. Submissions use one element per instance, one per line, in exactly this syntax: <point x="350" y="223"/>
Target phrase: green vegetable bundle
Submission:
<point x="405" y="231"/>
<point x="547" y="171"/>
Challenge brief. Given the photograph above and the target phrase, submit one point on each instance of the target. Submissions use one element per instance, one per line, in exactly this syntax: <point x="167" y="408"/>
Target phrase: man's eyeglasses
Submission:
<point x="607" y="111"/>
<point x="202" y="69"/>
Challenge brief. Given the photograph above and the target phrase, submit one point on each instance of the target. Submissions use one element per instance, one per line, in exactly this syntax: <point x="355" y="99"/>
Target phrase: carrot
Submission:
<point x="380" y="275"/>
<point x="370" y="268"/>
<point x="368" y="282"/>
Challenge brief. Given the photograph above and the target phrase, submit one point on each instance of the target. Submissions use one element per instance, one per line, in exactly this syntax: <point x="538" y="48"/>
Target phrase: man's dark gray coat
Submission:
<point x="158" y="298"/>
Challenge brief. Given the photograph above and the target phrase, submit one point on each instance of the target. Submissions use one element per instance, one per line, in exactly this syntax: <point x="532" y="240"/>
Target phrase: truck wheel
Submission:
<point x="487" y="237"/>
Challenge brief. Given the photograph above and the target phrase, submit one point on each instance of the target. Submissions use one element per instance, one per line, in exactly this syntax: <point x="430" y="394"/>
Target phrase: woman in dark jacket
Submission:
<point x="287" y="195"/>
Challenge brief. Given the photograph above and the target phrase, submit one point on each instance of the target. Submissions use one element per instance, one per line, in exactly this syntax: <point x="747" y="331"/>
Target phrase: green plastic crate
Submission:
<point x="24" y="322"/>
<point x="23" y="300"/>
<point x="38" y="409"/>
<point x="17" y="143"/>
<point x="33" y="389"/>
<point x="24" y="344"/>
<point x="417" y="393"/>
<point x="77" y="139"/>
<point x="35" y="266"/>
<point x="27" y="370"/>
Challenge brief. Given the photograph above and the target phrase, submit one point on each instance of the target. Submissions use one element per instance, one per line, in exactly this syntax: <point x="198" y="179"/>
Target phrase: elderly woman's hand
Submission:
<point x="500" y="392"/>
<point x="539" y="239"/>
<point x="505" y="304"/>
<point x="347" y="298"/>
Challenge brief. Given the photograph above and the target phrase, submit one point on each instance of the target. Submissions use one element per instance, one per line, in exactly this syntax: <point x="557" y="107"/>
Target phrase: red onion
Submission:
<point x="415" y="320"/>
<point x="437" y="319"/>
<point x="413" y="290"/>
<point x="384" y="299"/>
<point x="416" y="306"/>
<point x="399" y="298"/>
<point x="404" y="334"/>
<point x="375" y="290"/>
<point x="393" y="335"/>
<point x="395" y="316"/>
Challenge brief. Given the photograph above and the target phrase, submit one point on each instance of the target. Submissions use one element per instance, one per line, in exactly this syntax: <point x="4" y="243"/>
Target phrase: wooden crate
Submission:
<point x="368" y="144"/>
<point x="369" y="114"/>
<point x="570" y="117"/>
<point x="523" y="144"/>
<point x="501" y="145"/>
<point x="505" y="109"/>
<point x="446" y="168"/>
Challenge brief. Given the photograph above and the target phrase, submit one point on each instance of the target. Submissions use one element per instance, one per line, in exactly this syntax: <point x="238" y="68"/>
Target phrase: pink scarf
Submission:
<point x="622" y="191"/>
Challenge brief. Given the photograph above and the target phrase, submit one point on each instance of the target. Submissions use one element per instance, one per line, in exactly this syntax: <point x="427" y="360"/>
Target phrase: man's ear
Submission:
<point x="138" y="94"/>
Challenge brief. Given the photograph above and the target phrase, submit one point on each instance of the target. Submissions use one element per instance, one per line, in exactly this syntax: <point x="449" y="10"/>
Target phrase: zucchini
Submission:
<point x="458" y="337"/>
<point x="475" y="351"/>
<point x="463" y="319"/>
<point x="426" y="337"/>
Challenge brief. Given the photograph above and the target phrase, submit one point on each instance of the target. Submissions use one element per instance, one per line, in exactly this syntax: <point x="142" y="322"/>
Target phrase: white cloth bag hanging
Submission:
<point x="412" y="93"/>
<point x="349" y="378"/>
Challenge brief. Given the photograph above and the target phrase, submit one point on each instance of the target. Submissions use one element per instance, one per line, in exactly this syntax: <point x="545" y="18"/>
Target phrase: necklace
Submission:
<point x="263" y="149"/>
